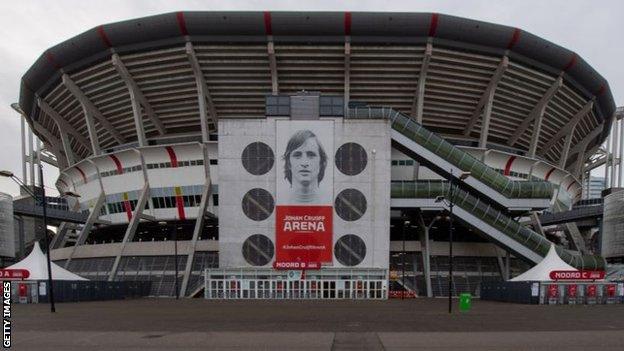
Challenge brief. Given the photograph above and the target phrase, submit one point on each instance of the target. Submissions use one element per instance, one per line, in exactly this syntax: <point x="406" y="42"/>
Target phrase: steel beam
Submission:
<point x="62" y="124"/>
<point x="199" y="225"/>
<point x="487" y="98"/>
<point x="132" y="227"/>
<point x="347" y="72"/>
<point x="568" y="129"/>
<point x="538" y="110"/>
<point x="272" y="65"/>
<point x="136" y="95"/>
<point x="419" y="96"/>
<point x="88" y="105"/>
<point x="203" y="94"/>
<point x="86" y="229"/>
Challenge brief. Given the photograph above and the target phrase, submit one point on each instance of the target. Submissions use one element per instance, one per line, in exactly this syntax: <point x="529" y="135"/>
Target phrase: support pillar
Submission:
<point x="132" y="227"/>
<point x="86" y="229"/>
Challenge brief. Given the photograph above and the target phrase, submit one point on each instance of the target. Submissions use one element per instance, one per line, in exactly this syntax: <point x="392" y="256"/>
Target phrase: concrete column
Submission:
<point x="23" y="142"/>
<point x="621" y="183"/>
<point x="30" y="158"/>
<point x="606" y="174"/>
<point x="613" y="148"/>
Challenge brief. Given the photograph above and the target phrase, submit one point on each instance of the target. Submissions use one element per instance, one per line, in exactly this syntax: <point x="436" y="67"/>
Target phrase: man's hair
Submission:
<point x="295" y="142"/>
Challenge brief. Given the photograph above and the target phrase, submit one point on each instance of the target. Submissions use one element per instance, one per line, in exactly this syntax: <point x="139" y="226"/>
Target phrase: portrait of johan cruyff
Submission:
<point x="304" y="167"/>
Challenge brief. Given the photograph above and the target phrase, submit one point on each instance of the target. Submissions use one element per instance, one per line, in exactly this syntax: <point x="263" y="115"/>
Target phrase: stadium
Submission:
<point x="181" y="133"/>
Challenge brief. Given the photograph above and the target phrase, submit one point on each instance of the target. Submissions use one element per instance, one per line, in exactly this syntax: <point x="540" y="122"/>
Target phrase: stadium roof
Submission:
<point x="376" y="58"/>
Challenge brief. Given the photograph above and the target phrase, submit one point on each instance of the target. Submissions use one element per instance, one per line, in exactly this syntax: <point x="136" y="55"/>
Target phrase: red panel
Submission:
<point x="82" y="174"/>
<point x="549" y="173"/>
<point x="104" y="37"/>
<point x="267" y="23"/>
<point x="514" y="39"/>
<point x="571" y="63"/>
<point x="303" y="233"/>
<point x="433" y="25"/>
<point x="508" y="165"/>
<point x="179" y="201"/>
<point x="117" y="164"/>
<point x="181" y="23"/>
<point x="172" y="156"/>
<point x="347" y="23"/>
<point x="50" y="59"/>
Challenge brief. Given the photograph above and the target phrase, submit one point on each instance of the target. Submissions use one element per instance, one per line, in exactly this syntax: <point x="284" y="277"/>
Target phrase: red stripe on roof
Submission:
<point x="571" y="63"/>
<point x="550" y="172"/>
<point x="508" y="165"/>
<point x="104" y="37"/>
<point x="267" y="23"/>
<point x="433" y="25"/>
<point x="117" y="163"/>
<point x="50" y="59"/>
<point x="181" y="23"/>
<point x="347" y="23"/>
<point x="62" y="181"/>
<point x="514" y="39"/>
<point x="82" y="174"/>
<point x="568" y="188"/>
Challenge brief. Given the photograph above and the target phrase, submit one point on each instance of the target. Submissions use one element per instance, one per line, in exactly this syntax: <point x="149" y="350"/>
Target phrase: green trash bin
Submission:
<point x="465" y="302"/>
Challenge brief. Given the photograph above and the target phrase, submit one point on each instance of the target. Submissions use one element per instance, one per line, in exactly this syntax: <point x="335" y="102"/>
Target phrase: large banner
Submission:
<point x="305" y="191"/>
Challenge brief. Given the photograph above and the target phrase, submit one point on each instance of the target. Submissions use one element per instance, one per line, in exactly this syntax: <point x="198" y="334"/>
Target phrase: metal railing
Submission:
<point x="495" y="218"/>
<point x="459" y="158"/>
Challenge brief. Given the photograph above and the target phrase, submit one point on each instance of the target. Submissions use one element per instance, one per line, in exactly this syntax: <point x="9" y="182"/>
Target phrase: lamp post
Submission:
<point x="10" y="174"/>
<point x="405" y="225"/>
<point x="175" y="254"/>
<point x="450" y="203"/>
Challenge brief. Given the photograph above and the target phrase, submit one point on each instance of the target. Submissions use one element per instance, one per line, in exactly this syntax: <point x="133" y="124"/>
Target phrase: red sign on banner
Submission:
<point x="303" y="234"/>
<point x="572" y="290"/>
<point x="577" y="275"/>
<point x="553" y="290"/>
<point x="14" y="273"/>
<point x="611" y="290"/>
<point x="591" y="291"/>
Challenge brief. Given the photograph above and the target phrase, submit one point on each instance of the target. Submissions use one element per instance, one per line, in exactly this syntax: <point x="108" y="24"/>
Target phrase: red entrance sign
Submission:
<point x="553" y="290"/>
<point x="591" y="291"/>
<point x="14" y="273"/>
<point x="611" y="290"/>
<point x="303" y="234"/>
<point x="572" y="290"/>
<point x="577" y="275"/>
<point x="296" y="265"/>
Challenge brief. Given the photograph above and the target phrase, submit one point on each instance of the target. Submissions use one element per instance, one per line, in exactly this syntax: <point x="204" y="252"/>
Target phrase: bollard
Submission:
<point x="465" y="302"/>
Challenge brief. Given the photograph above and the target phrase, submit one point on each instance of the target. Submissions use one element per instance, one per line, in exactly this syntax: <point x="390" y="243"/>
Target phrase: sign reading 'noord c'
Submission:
<point x="577" y="275"/>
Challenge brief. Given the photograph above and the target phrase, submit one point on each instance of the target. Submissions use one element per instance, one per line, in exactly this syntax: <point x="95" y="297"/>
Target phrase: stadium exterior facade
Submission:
<point x="168" y="127"/>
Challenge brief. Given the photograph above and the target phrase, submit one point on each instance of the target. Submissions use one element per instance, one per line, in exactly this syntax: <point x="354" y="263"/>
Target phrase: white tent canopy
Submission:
<point x="541" y="272"/>
<point x="36" y="264"/>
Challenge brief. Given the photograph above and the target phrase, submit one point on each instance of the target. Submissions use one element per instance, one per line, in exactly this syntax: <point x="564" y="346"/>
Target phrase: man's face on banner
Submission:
<point x="305" y="163"/>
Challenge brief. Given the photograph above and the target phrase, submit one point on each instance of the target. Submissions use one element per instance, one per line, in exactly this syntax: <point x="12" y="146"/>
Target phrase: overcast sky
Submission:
<point x="593" y="29"/>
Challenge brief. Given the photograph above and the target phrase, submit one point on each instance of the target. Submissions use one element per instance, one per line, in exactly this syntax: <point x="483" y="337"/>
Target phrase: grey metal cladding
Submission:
<point x="143" y="29"/>
<point x="390" y="24"/>
<point x="165" y="30"/>
<point x="224" y="23"/>
<point x="473" y="32"/>
<point x="307" y="23"/>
